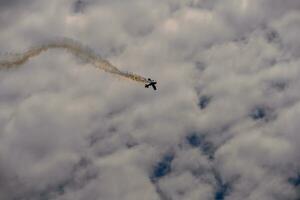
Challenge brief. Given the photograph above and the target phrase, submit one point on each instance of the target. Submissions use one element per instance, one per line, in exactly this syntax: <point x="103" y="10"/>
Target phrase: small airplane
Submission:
<point x="151" y="83"/>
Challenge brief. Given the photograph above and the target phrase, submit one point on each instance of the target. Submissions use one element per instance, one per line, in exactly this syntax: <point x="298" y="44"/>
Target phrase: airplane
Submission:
<point x="151" y="83"/>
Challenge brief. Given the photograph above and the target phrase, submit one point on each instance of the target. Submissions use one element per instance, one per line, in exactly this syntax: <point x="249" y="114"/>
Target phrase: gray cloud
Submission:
<point x="222" y="125"/>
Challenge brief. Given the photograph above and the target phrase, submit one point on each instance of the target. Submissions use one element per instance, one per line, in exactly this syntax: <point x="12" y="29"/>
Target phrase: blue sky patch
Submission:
<point x="222" y="191"/>
<point x="204" y="101"/>
<point x="201" y="142"/>
<point x="295" y="181"/>
<point x="163" y="167"/>
<point x="222" y="188"/>
<point x="258" y="113"/>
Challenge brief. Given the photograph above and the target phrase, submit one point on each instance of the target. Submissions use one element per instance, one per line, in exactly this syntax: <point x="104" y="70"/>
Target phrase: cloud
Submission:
<point x="223" y="123"/>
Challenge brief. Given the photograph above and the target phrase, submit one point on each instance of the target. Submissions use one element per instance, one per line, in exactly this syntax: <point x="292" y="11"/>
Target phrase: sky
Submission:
<point x="223" y="124"/>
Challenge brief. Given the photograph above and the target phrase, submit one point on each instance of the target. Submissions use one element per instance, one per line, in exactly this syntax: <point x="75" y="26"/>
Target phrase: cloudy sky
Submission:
<point x="223" y="124"/>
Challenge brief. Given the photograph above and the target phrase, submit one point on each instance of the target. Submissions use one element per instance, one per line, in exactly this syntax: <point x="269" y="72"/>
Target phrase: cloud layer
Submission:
<point x="222" y="125"/>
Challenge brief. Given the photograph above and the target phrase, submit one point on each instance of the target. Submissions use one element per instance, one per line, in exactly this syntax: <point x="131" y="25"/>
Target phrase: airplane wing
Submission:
<point x="154" y="87"/>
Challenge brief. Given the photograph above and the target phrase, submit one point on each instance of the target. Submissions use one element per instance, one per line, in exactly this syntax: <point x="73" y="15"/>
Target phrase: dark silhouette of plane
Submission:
<point x="151" y="83"/>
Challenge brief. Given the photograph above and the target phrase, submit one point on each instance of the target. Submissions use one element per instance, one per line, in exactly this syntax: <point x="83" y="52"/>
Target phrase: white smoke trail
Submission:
<point x="74" y="48"/>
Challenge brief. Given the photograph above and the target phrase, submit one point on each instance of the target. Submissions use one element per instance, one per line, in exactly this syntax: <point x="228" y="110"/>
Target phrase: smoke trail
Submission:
<point x="74" y="48"/>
